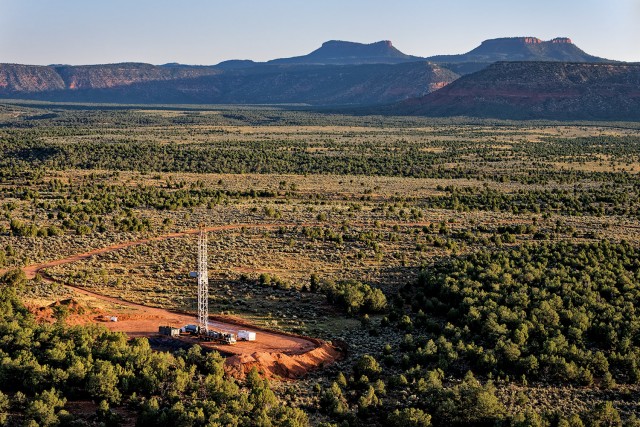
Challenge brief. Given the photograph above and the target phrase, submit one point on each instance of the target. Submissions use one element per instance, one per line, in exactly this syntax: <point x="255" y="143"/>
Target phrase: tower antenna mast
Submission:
<point x="203" y="282"/>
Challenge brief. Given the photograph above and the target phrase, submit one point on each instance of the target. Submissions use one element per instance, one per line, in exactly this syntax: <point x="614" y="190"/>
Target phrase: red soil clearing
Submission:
<point x="275" y="354"/>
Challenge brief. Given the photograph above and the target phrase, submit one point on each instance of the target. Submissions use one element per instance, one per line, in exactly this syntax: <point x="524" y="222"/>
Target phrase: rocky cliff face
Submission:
<point x="114" y="75"/>
<point x="538" y="90"/>
<point x="19" y="79"/>
<point x="530" y="40"/>
<point x="317" y="85"/>
<point x="561" y="40"/>
<point x="15" y="78"/>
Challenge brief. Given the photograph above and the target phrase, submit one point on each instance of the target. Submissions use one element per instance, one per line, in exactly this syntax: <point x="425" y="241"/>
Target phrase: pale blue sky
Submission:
<point x="209" y="31"/>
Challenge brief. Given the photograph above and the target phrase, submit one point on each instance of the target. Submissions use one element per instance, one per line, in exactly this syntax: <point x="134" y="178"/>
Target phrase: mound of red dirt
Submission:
<point x="280" y="365"/>
<point x="75" y="311"/>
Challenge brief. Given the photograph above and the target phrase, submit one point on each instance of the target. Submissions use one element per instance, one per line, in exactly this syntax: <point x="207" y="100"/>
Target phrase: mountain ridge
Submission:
<point x="363" y="84"/>
<point x="537" y="90"/>
<point x="337" y="73"/>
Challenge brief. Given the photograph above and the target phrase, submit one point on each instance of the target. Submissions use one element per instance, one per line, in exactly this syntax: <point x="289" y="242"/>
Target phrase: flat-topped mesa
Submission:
<point x="339" y="52"/>
<point x="513" y="40"/>
<point x="520" y="48"/>
<point x="353" y="45"/>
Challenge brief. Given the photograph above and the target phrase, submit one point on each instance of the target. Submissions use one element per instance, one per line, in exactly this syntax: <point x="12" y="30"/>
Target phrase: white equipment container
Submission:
<point x="246" y="336"/>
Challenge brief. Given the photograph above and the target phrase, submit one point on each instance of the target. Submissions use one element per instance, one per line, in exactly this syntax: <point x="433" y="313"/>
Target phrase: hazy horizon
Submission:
<point x="204" y="33"/>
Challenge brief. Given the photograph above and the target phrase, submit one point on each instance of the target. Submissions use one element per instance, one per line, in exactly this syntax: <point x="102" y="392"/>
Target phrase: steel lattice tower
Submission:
<point x="203" y="282"/>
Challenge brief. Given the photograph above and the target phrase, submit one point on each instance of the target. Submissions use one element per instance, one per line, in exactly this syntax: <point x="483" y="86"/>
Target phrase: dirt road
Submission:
<point x="32" y="270"/>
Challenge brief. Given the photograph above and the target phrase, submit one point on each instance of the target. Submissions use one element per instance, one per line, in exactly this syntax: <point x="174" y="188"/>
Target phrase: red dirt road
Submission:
<point x="32" y="270"/>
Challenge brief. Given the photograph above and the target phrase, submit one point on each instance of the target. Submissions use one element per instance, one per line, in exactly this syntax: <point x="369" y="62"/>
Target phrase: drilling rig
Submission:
<point x="203" y="283"/>
<point x="202" y="327"/>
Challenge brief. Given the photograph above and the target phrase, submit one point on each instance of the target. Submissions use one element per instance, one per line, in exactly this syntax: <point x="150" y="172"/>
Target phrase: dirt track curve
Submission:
<point x="32" y="270"/>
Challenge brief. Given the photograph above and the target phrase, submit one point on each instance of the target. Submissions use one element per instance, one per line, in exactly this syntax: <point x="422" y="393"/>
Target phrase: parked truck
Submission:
<point x="211" y="335"/>
<point x="169" y="331"/>
<point x="221" y="337"/>
<point x="192" y="329"/>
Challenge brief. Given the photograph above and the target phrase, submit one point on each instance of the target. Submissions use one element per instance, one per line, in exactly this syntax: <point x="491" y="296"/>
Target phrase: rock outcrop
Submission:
<point x="561" y="40"/>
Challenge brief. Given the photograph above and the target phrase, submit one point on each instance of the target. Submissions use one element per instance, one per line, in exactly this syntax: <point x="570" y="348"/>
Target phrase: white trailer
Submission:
<point x="246" y="336"/>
